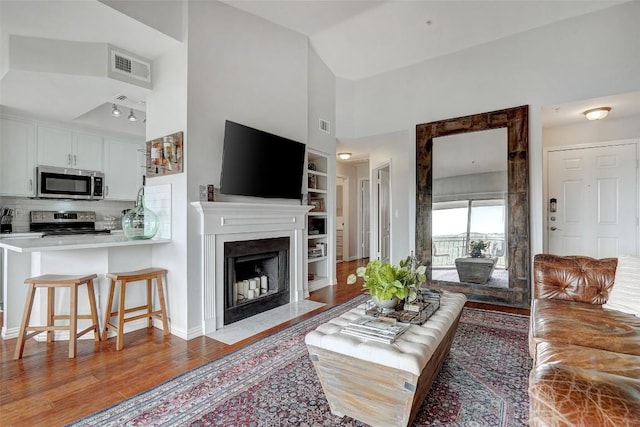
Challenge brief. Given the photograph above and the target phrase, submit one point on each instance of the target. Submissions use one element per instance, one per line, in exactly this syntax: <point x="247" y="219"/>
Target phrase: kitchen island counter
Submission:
<point x="24" y="257"/>
<point x="46" y="244"/>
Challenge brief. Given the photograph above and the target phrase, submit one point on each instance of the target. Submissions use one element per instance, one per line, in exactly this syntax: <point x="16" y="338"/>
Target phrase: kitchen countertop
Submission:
<point x="44" y="244"/>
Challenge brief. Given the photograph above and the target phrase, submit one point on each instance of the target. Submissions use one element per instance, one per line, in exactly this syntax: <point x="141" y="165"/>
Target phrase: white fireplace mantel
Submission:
<point x="222" y="222"/>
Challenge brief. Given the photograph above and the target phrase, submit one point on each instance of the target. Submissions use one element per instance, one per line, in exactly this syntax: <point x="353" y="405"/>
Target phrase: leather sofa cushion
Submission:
<point x="586" y="325"/>
<point x="562" y="395"/>
<point x="626" y="365"/>
<point x="573" y="278"/>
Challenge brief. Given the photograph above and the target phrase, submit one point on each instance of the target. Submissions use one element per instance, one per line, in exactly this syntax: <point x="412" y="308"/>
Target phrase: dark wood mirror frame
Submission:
<point x="516" y="122"/>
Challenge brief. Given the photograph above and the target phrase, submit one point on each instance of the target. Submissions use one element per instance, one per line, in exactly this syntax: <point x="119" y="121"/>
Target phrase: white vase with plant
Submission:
<point x="389" y="284"/>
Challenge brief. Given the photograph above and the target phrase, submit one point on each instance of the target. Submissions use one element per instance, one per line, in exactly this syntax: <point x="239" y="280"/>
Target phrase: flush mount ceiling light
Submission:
<point x="115" y="111"/>
<point x="344" y="156"/>
<point x="597" y="113"/>
<point x="132" y="117"/>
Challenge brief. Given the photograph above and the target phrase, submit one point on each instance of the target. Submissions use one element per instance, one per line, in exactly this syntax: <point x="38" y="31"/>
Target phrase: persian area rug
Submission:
<point x="272" y="382"/>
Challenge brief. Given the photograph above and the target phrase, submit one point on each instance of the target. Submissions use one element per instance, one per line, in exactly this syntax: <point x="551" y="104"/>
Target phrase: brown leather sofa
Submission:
<point x="586" y="359"/>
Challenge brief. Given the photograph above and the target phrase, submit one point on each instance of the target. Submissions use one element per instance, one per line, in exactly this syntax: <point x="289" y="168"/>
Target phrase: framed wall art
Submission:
<point x="165" y="155"/>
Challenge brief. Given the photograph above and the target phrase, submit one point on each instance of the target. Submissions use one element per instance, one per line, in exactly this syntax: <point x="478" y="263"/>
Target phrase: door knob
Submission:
<point x="554" y="228"/>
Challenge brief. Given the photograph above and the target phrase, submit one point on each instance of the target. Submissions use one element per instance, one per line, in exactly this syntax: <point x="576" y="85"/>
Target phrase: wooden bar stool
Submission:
<point x="51" y="282"/>
<point x="147" y="274"/>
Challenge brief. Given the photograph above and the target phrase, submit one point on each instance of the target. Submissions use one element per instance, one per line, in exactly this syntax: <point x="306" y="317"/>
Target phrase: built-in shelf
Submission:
<point x="312" y="172"/>
<point x="316" y="236"/>
<point x="318" y="281"/>
<point x="319" y="194"/>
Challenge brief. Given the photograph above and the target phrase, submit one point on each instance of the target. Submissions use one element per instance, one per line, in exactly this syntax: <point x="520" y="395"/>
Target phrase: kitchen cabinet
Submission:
<point x="66" y="148"/>
<point x="17" y="158"/>
<point x="320" y="260"/>
<point x="123" y="168"/>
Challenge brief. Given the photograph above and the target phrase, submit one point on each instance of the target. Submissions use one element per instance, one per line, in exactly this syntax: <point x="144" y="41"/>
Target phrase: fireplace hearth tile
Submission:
<point x="246" y="328"/>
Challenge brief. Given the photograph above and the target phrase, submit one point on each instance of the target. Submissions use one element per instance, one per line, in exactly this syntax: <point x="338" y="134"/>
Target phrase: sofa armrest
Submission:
<point x="573" y="278"/>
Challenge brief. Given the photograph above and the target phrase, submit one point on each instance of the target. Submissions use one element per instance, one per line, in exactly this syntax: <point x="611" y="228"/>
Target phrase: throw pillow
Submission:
<point x="625" y="292"/>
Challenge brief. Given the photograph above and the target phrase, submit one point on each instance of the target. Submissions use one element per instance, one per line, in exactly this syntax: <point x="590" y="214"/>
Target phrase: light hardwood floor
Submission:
<point x="46" y="388"/>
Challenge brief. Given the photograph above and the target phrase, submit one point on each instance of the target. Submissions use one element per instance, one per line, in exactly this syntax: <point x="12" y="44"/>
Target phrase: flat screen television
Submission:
<point x="260" y="164"/>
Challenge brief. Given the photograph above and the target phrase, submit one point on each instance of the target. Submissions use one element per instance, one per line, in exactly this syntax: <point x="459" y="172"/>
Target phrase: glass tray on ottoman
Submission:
<point x="421" y="313"/>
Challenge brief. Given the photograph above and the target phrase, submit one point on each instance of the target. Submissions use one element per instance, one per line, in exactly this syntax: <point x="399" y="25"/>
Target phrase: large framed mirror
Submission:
<point x="472" y="205"/>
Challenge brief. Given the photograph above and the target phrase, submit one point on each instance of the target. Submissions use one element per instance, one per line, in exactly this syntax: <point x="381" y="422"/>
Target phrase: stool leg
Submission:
<point x="107" y="315"/>
<point x="94" y="311"/>
<point x="26" y="315"/>
<point x="149" y="304"/>
<point x="73" y="320"/>
<point x="120" y="329"/>
<point x="51" y="298"/>
<point x="163" y="308"/>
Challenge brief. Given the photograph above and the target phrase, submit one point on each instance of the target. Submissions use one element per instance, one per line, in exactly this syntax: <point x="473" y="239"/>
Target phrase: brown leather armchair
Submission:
<point x="586" y="359"/>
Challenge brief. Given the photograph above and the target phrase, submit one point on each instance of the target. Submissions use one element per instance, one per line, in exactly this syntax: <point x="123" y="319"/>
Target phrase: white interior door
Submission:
<point x="342" y="219"/>
<point x="384" y="214"/>
<point x="592" y="205"/>
<point x="365" y="229"/>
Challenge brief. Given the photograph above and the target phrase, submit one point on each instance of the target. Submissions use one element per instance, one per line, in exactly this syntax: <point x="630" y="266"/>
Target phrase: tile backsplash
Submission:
<point x="23" y="205"/>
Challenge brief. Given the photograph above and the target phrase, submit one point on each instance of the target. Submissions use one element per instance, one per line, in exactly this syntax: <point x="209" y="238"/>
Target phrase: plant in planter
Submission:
<point x="476" y="247"/>
<point x="388" y="284"/>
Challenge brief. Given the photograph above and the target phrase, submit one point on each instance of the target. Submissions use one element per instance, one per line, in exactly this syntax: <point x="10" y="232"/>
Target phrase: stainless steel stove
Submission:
<point x="64" y="223"/>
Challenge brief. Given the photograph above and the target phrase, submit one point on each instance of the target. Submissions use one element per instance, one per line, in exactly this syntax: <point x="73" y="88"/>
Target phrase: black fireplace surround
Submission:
<point x="249" y="259"/>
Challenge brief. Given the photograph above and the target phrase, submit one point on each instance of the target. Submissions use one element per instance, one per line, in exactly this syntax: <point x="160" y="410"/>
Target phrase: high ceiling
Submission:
<point x="356" y="38"/>
<point x="362" y="38"/>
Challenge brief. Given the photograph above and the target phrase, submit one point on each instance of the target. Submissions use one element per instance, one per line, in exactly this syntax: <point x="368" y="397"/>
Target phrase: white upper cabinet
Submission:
<point x="87" y="152"/>
<point x="17" y="158"/>
<point x="123" y="168"/>
<point x="65" y="148"/>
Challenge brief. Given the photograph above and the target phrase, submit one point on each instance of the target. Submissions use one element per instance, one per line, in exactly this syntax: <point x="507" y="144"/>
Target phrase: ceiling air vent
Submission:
<point x="130" y="66"/>
<point x="325" y="126"/>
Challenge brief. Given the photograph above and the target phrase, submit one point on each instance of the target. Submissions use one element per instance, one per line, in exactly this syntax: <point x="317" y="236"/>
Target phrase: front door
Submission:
<point x="592" y="204"/>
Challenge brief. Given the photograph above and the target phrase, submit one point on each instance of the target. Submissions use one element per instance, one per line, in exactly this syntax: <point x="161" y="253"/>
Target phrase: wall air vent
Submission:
<point x="325" y="126"/>
<point x="126" y="64"/>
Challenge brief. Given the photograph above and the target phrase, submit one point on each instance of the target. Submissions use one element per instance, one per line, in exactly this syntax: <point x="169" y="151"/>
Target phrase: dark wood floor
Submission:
<point x="49" y="389"/>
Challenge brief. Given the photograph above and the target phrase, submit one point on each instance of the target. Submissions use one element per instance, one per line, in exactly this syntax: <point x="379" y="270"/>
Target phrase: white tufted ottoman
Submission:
<point x="383" y="384"/>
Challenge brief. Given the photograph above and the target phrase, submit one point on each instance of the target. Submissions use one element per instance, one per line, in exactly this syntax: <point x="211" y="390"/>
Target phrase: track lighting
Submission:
<point x="115" y="111"/>
<point x="132" y="117"/>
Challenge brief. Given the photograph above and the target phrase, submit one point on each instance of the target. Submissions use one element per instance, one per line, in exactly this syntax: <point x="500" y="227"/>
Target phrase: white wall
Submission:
<point x="345" y="108"/>
<point x="253" y="72"/>
<point x="166" y="16"/>
<point x="546" y="66"/>
<point x="167" y="114"/>
<point x="322" y="105"/>
<point x="398" y="149"/>
<point x="585" y="132"/>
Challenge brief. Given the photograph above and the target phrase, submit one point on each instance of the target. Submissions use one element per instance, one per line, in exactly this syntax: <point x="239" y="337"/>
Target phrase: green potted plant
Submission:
<point x="476" y="247"/>
<point x="388" y="284"/>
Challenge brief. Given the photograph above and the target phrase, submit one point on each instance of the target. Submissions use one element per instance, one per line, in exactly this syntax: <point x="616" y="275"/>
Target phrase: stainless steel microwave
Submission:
<point x="66" y="183"/>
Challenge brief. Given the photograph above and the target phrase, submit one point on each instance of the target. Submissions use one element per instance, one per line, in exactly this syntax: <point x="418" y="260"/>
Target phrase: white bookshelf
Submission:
<point x="319" y="222"/>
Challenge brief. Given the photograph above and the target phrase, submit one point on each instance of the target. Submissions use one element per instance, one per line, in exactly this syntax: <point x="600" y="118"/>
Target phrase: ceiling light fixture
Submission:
<point x="115" y="112"/>
<point x="344" y="156"/>
<point x="597" y="113"/>
<point x="132" y="117"/>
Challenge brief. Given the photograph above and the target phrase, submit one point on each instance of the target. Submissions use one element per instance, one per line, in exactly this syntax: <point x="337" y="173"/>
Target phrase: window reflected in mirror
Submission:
<point x="469" y="222"/>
